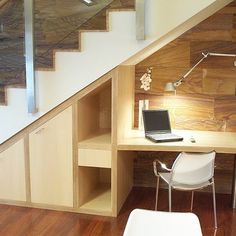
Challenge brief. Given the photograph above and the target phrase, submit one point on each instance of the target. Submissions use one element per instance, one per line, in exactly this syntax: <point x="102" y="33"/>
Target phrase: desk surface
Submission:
<point x="221" y="142"/>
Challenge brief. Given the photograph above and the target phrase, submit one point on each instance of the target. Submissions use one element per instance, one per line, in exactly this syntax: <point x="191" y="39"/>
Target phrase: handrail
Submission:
<point x="43" y="57"/>
<point x="29" y="52"/>
<point x="73" y="31"/>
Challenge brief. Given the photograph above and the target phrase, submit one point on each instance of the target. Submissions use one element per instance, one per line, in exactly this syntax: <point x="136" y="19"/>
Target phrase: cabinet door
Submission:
<point x="51" y="171"/>
<point x="12" y="173"/>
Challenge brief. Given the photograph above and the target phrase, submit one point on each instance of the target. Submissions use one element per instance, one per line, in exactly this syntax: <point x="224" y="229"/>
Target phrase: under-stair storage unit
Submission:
<point x="51" y="162"/>
<point x="69" y="159"/>
<point x="95" y="151"/>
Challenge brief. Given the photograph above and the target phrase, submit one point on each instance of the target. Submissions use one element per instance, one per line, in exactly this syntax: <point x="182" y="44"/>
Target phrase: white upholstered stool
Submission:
<point x="158" y="223"/>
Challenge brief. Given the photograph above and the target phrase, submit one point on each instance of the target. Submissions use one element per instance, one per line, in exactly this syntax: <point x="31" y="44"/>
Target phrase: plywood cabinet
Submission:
<point x="51" y="162"/>
<point x="12" y="173"/>
<point x="68" y="159"/>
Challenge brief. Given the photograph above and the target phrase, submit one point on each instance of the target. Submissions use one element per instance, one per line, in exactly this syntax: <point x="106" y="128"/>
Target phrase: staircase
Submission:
<point x="57" y="26"/>
<point x="101" y="51"/>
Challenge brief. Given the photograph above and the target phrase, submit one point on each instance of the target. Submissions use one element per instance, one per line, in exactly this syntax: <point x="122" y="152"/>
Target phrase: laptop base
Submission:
<point x="174" y="139"/>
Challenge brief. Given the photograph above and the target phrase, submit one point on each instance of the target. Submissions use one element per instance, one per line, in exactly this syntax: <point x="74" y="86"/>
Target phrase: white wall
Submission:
<point x="14" y="117"/>
<point x="101" y="51"/>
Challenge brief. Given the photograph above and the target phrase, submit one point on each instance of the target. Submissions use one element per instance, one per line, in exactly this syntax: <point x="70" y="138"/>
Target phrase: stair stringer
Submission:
<point x="74" y="76"/>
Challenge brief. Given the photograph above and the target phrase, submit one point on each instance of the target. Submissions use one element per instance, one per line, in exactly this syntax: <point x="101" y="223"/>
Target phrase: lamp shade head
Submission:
<point x="170" y="87"/>
<point x="88" y="2"/>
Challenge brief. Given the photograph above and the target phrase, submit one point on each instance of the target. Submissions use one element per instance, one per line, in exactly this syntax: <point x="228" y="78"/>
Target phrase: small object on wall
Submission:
<point x="142" y="105"/>
<point x="146" y="79"/>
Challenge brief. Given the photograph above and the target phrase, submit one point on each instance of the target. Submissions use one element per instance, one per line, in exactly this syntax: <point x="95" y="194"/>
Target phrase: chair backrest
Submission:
<point x="158" y="223"/>
<point x="193" y="168"/>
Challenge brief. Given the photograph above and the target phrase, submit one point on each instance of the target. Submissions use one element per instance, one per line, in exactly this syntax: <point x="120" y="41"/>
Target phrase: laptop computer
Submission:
<point x="157" y="126"/>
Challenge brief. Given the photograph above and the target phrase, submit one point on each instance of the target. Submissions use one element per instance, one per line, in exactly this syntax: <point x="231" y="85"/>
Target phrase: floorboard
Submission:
<point x="23" y="221"/>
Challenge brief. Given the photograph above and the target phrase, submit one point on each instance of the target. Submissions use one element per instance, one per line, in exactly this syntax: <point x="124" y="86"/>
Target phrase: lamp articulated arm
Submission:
<point x="179" y="82"/>
<point x="172" y="86"/>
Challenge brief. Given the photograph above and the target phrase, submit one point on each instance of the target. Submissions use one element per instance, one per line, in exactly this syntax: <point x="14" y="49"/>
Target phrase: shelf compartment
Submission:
<point x="95" y="190"/>
<point x="94" y="112"/>
<point x="99" y="201"/>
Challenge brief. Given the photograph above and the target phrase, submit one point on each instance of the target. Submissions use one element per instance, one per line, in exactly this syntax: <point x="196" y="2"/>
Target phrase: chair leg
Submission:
<point x="169" y="198"/>
<point x="157" y="190"/>
<point x="192" y="196"/>
<point x="214" y="202"/>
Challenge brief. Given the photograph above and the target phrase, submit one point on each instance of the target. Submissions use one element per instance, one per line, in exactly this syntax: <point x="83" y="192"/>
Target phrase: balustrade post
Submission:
<point x="29" y="55"/>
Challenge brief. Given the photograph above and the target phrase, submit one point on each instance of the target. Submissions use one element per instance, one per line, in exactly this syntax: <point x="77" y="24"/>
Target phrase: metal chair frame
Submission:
<point x="170" y="186"/>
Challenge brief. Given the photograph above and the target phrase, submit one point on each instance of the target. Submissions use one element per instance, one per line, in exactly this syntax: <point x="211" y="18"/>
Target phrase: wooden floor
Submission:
<point x="16" y="221"/>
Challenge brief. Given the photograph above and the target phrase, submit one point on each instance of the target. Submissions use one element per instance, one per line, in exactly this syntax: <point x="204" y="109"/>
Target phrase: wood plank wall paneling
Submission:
<point x="206" y="101"/>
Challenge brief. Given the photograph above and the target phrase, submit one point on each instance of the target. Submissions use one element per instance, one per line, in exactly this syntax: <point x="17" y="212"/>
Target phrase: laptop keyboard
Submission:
<point x="162" y="136"/>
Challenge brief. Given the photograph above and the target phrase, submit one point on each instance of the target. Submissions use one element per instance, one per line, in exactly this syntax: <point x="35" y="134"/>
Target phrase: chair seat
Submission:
<point x="167" y="177"/>
<point x="157" y="223"/>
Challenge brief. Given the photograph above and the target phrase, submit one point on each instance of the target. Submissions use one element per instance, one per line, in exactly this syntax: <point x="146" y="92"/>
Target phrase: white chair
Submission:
<point x="190" y="171"/>
<point x="157" y="223"/>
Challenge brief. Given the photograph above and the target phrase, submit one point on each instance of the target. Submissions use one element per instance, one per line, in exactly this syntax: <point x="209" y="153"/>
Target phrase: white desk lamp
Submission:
<point x="171" y="86"/>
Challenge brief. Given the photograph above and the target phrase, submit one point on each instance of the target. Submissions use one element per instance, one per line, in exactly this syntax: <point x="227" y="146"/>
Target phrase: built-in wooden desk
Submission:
<point x="221" y="142"/>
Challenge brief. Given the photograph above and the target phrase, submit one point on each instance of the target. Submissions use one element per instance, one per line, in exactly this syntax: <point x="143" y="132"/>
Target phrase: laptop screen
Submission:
<point x="156" y="120"/>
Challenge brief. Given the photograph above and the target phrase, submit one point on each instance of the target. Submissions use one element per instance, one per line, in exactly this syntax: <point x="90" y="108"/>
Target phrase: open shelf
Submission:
<point x="94" y="112"/>
<point x="99" y="201"/>
<point x="95" y="190"/>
